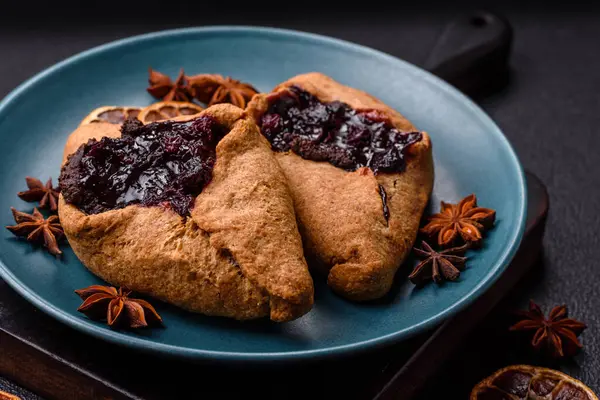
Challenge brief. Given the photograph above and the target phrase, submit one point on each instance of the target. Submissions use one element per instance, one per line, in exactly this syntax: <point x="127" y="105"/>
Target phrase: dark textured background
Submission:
<point x="550" y="111"/>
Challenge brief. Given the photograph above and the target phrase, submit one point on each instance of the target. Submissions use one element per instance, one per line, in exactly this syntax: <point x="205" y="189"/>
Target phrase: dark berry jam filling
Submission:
<point x="334" y="132"/>
<point x="163" y="163"/>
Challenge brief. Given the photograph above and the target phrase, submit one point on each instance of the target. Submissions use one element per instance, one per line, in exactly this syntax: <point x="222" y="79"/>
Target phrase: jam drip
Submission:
<point x="334" y="132"/>
<point x="163" y="163"/>
<point x="386" y="210"/>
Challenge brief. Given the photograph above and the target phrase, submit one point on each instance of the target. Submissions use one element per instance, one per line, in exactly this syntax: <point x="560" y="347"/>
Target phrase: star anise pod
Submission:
<point x="463" y="221"/>
<point x="116" y="307"/>
<point x="214" y="89"/>
<point x="45" y="194"/>
<point x="556" y="334"/>
<point x="163" y="88"/>
<point x="37" y="229"/>
<point x="438" y="265"/>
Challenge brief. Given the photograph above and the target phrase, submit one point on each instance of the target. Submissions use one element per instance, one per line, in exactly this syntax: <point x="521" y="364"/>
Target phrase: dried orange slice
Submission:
<point x="166" y="110"/>
<point x="8" y="396"/>
<point x="527" y="382"/>
<point x="111" y="114"/>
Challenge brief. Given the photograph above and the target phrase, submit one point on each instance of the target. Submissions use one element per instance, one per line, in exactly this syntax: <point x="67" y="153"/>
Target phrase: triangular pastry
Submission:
<point x="360" y="175"/>
<point x="196" y="212"/>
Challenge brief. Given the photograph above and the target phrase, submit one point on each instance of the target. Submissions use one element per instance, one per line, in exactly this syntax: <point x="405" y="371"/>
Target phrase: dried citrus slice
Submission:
<point x="166" y="110"/>
<point x="8" y="396"/>
<point x="111" y="114"/>
<point x="526" y="382"/>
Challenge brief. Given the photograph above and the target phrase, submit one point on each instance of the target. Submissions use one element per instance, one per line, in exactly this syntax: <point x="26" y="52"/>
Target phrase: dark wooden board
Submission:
<point x="58" y="362"/>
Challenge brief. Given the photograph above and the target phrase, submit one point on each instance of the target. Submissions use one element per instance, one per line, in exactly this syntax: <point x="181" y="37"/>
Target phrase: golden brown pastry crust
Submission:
<point x="88" y="131"/>
<point x="245" y="214"/>
<point x="340" y="213"/>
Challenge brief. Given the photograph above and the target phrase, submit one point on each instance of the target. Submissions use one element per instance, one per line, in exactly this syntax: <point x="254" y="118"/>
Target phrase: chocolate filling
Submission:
<point x="163" y="163"/>
<point x="334" y="132"/>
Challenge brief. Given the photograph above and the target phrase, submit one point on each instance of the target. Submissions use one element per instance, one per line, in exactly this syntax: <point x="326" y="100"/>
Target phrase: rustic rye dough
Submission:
<point x="340" y="213"/>
<point x="245" y="212"/>
<point x="82" y="134"/>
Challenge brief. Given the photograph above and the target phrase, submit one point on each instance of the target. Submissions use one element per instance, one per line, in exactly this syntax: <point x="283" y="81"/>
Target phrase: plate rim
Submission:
<point x="139" y="343"/>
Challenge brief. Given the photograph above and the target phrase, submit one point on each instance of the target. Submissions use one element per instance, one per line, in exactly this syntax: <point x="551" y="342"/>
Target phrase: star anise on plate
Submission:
<point x="214" y="89"/>
<point x="556" y="334"/>
<point x="162" y="87"/>
<point x="116" y="307"/>
<point x="38" y="229"/>
<point x="464" y="220"/>
<point x="46" y="194"/>
<point x="438" y="265"/>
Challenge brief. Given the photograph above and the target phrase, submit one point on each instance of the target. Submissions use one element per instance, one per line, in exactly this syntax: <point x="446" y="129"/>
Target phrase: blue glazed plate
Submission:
<point x="471" y="156"/>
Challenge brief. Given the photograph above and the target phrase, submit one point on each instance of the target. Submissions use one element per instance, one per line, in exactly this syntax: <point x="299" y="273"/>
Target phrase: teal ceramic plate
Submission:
<point x="471" y="156"/>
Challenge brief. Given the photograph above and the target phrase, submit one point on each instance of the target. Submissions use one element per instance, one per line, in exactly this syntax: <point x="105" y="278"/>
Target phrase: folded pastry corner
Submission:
<point x="360" y="175"/>
<point x="194" y="211"/>
<point x="85" y="132"/>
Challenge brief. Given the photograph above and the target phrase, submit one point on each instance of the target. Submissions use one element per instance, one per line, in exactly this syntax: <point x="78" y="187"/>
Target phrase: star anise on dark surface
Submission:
<point x="45" y="194"/>
<point x="214" y="89"/>
<point x="556" y="334"/>
<point x="438" y="265"/>
<point x="38" y="229"/>
<point x="162" y="87"/>
<point x="463" y="221"/>
<point x="116" y="307"/>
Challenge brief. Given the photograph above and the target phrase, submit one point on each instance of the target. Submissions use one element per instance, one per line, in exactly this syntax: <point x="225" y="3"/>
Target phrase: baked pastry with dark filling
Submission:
<point x="360" y="175"/>
<point x="194" y="211"/>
